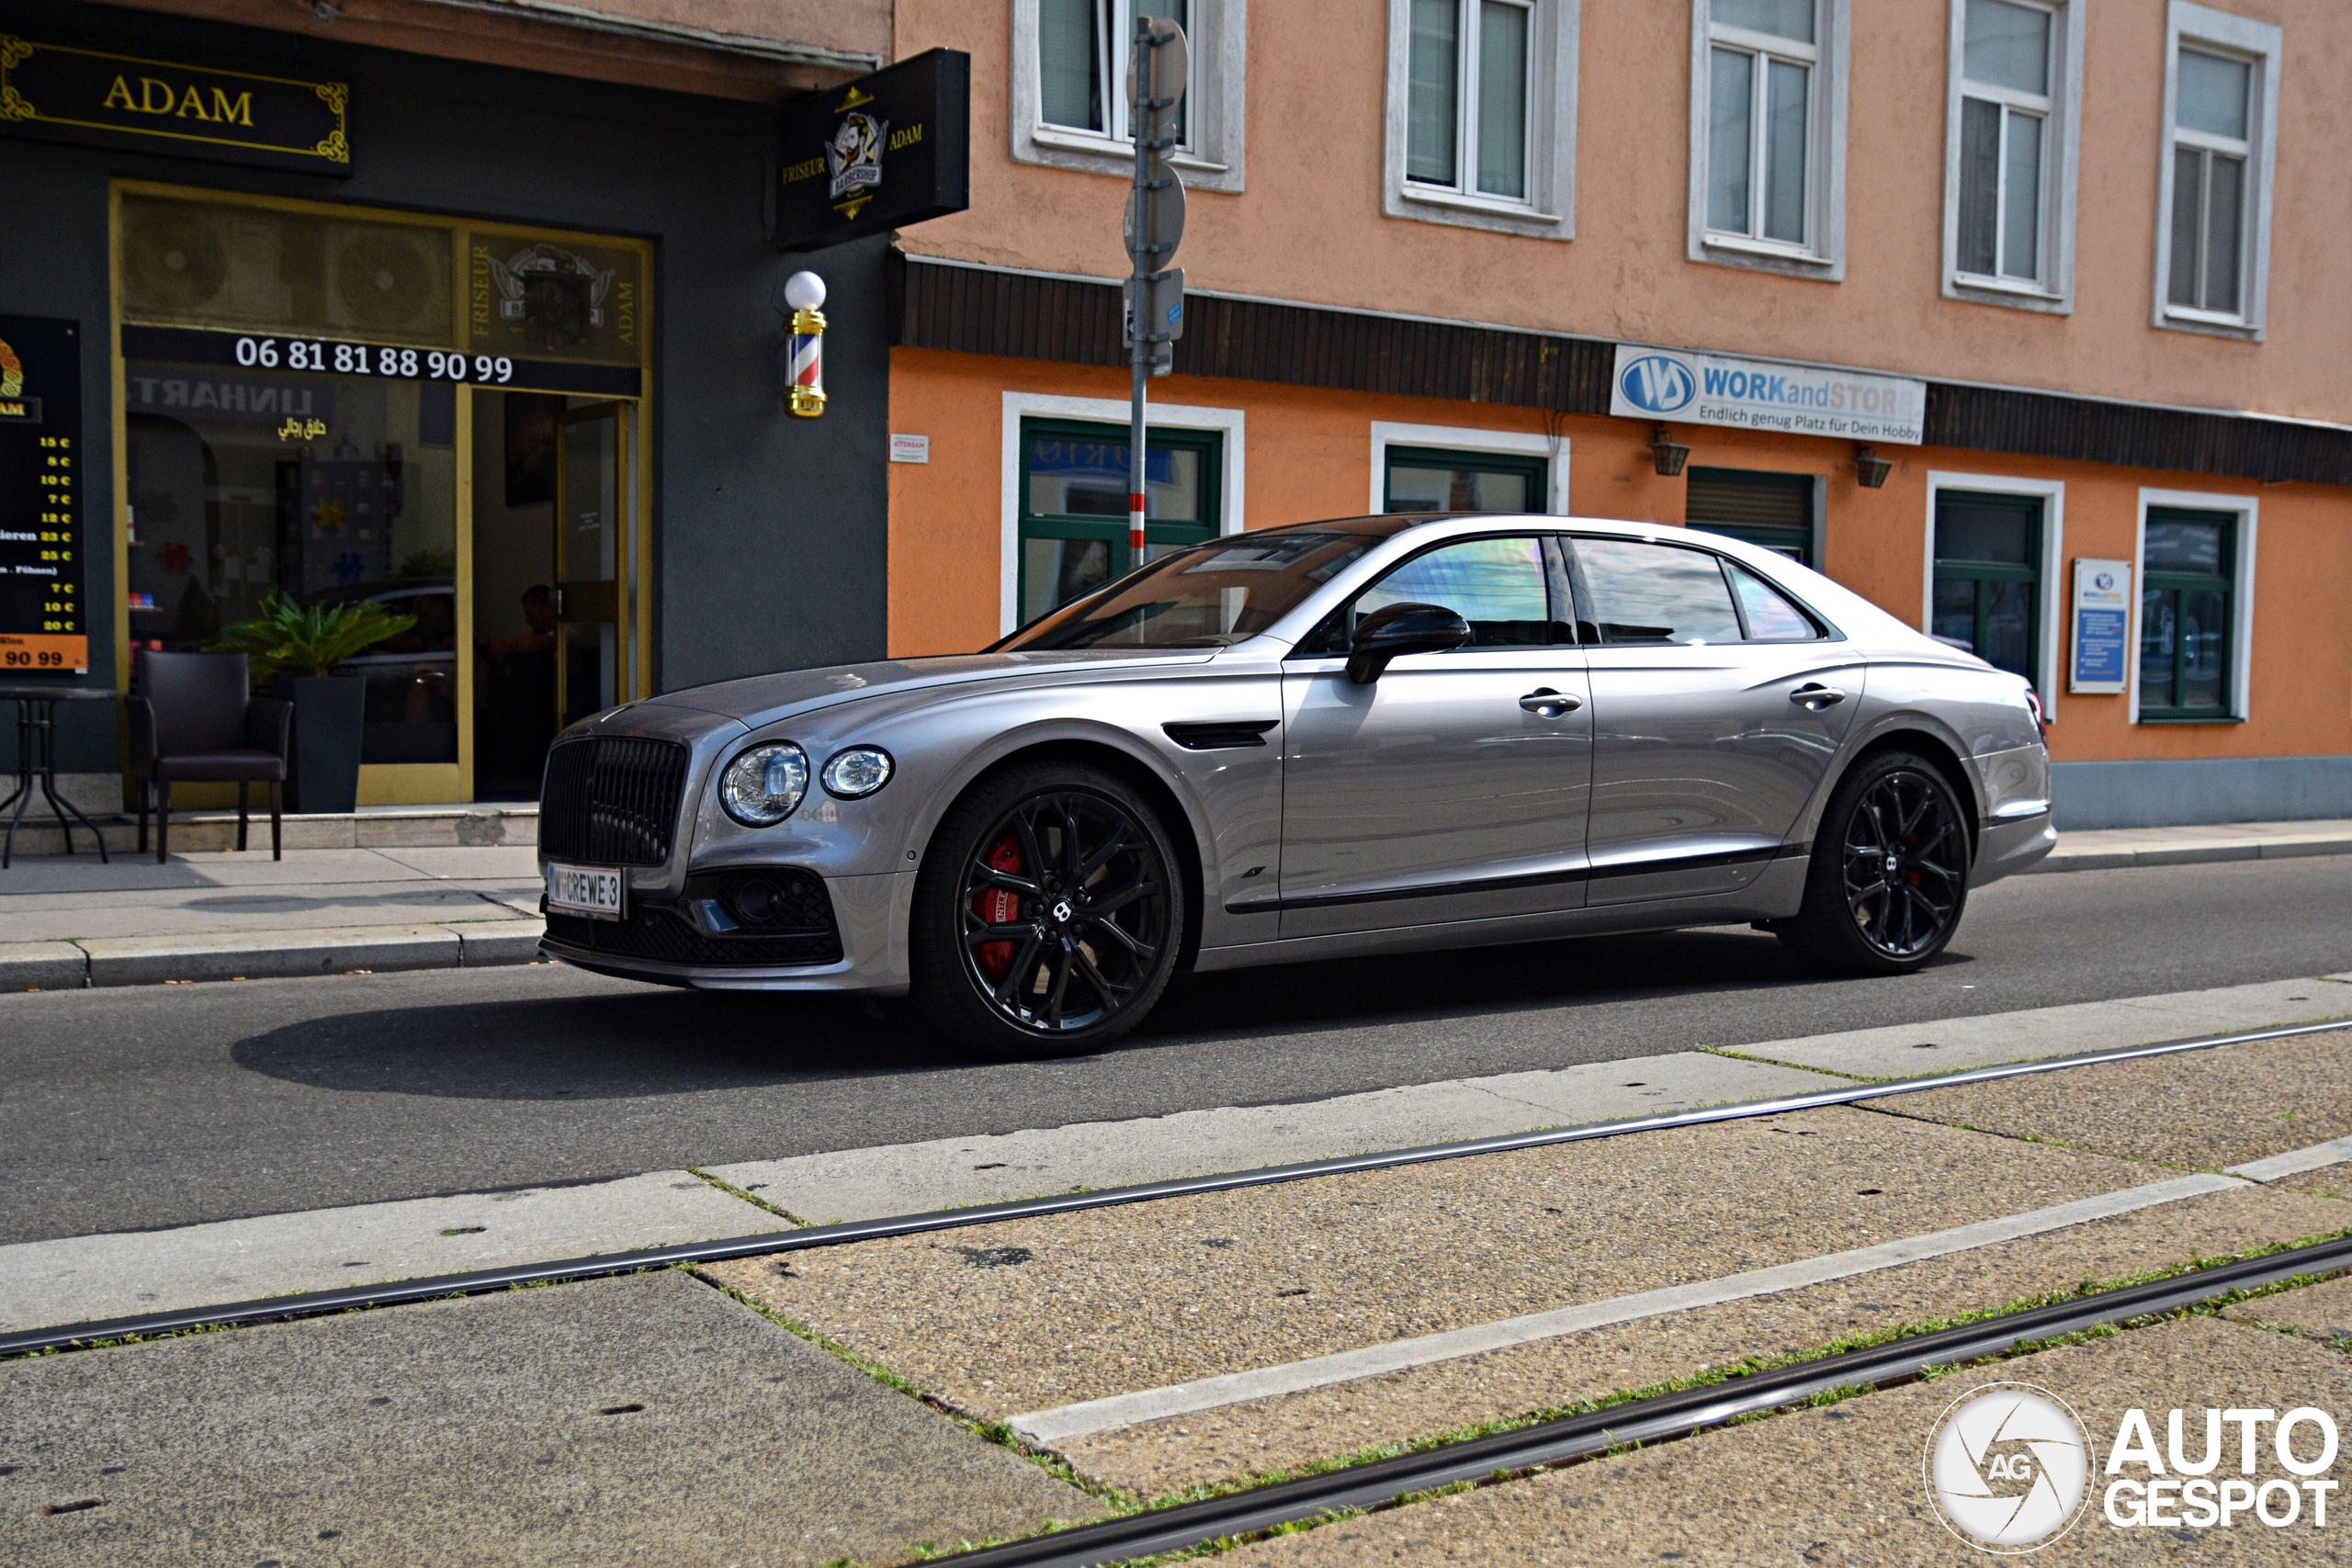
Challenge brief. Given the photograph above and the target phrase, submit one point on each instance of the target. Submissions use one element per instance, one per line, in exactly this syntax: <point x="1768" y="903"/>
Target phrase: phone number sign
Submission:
<point x="377" y="361"/>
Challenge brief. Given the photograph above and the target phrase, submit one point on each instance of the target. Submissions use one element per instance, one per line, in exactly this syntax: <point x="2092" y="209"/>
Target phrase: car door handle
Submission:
<point x="1812" y="695"/>
<point x="1545" y="703"/>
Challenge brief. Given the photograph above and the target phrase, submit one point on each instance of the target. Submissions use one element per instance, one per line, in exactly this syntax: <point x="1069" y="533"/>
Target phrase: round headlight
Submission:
<point x="760" y="788"/>
<point x="860" y="771"/>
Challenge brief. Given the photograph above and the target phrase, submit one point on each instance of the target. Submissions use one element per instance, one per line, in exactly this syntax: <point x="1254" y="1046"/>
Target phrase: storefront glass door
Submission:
<point x="592" y="540"/>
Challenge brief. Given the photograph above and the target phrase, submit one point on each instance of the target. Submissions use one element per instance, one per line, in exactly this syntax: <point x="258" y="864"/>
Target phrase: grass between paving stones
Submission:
<point x="995" y="1432"/>
<point x="752" y="1198"/>
<point x="1776" y="1061"/>
<point x="1821" y="1398"/>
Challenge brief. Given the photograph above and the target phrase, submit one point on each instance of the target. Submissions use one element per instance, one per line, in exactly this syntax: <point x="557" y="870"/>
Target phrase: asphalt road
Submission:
<point x="136" y="1109"/>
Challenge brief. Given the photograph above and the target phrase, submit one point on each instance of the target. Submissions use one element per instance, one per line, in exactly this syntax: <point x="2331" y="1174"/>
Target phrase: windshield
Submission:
<point x="1207" y="596"/>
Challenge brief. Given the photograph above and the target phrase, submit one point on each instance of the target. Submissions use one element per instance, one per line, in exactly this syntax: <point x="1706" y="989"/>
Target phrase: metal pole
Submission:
<point x="1139" y="349"/>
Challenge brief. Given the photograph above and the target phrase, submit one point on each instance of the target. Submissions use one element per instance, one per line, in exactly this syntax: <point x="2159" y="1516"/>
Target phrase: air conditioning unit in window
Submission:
<point x="387" y="281"/>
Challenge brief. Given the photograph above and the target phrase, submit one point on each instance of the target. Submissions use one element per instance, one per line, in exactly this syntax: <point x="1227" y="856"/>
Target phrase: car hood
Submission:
<point x="756" y="700"/>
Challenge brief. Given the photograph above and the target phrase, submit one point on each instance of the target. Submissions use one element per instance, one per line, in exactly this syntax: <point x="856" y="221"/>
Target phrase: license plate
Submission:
<point x="584" y="890"/>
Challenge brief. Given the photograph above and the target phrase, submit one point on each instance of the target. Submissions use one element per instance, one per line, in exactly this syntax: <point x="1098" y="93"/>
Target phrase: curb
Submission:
<point x="2190" y="855"/>
<point x="184" y="960"/>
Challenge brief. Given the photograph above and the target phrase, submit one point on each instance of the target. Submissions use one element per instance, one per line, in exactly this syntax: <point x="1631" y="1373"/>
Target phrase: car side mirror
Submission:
<point x="1401" y="628"/>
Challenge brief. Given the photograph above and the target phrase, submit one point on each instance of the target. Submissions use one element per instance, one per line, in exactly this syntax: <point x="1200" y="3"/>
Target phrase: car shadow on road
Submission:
<point x="643" y="1041"/>
<point x="638" y="1043"/>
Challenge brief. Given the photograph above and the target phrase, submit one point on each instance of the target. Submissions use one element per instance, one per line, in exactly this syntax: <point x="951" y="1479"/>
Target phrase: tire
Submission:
<point x="1889" y="875"/>
<point x="1030" y="939"/>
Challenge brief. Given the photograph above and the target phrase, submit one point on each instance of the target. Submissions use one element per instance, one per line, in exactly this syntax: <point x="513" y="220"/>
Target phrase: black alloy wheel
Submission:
<point x="1047" y="915"/>
<point x="1889" y="877"/>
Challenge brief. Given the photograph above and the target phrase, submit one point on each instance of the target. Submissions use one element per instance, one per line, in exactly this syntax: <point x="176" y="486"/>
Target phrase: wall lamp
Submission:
<point x="1870" y="467"/>
<point x="1668" y="456"/>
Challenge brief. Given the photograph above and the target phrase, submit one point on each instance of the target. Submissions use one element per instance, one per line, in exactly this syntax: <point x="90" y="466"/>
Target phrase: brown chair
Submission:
<point x="195" y="718"/>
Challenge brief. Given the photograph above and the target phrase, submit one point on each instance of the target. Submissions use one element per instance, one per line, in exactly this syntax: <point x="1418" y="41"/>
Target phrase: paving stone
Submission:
<point x="1952" y="1045"/>
<point x="1844" y="1484"/>
<point x="87" y="1279"/>
<point x="2198" y="1110"/>
<point x="948" y="1173"/>
<point x="1029" y="1315"/>
<point x="475" y="1432"/>
<point x="1160" y="1458"/>
<point x="2323" y="1311"/>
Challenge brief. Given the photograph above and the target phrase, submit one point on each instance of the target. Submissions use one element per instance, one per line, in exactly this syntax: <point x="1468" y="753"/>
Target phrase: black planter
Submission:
<point x="330" y="722"/>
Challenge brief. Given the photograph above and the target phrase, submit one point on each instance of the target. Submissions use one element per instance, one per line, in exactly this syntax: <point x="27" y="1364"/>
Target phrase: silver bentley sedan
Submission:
<point x="1368" y="736"/>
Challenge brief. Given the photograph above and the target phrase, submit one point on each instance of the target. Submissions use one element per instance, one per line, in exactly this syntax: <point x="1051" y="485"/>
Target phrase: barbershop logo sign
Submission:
<point x="1758" y="394"/>
<point x="2009" y="1468"/>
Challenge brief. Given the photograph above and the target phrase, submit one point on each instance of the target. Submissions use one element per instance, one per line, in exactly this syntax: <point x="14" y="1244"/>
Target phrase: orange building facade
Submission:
<point x="2090" y="253"/>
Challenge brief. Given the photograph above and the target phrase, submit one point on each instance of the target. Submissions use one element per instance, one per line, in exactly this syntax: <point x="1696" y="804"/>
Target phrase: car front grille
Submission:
<point x="800" y="926"/>
<point x="612" y="800"/>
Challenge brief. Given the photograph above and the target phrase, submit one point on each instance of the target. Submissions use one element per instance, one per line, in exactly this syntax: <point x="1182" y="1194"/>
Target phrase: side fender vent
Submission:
<point x="1221" y="736"/>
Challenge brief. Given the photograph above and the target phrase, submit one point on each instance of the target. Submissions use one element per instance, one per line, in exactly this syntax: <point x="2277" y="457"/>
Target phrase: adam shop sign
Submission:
<point x="1762" y="394"/>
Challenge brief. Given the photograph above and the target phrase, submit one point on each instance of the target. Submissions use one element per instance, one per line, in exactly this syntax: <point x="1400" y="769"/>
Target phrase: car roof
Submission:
<point x="1389" y="525"/>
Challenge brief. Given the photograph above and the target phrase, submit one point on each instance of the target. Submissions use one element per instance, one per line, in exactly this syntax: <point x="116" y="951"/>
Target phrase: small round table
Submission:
<point x="37" y="761"/>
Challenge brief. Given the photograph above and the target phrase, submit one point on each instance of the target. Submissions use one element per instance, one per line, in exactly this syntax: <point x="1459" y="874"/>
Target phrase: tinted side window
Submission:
<point x="1655" y="593"/>
<point x="1496" y="585"/>
<point x="1771" y="617"/>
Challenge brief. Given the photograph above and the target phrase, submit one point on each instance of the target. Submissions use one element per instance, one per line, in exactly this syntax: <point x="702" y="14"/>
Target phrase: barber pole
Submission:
<point x="805" y="396"/>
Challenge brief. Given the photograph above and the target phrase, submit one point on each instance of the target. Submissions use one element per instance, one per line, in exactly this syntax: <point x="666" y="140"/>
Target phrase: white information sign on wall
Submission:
<point x="910" y="448"/>
<point x="2102" y="625"/>
<point x="1763" y="394"/>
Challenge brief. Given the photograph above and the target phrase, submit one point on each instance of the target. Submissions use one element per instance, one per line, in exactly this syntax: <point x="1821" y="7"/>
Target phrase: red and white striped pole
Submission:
<point x="804" y="291"/>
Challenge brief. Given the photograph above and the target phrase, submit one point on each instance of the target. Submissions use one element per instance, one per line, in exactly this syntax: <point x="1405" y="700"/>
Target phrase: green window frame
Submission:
<point x="1981" y="601"/>
<point x="2163" y="620"/>
<point x="1103" y="447"/>
<point x="1535" y="472"/>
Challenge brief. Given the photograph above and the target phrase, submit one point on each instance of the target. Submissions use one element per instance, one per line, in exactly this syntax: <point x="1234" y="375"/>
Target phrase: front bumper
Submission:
<point x="870" y="916"/>
<point x="2005" y="847"/>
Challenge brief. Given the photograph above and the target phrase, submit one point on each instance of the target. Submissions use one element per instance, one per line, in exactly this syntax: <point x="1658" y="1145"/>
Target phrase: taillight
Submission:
<point x="2034" y="706"/>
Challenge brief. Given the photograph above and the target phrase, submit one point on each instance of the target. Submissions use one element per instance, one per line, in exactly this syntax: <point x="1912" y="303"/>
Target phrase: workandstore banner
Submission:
<point x="1763" y="394"/>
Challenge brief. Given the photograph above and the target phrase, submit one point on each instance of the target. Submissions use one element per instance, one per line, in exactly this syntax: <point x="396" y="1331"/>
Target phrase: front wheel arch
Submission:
<point x="1177" y="823"/>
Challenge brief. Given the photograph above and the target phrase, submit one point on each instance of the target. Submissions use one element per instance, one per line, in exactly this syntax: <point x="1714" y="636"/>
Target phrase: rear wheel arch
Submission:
<point x="1933" y="749"/>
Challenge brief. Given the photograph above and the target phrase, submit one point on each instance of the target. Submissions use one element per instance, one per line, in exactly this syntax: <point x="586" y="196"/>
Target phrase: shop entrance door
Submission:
<point x="593" y="543"/>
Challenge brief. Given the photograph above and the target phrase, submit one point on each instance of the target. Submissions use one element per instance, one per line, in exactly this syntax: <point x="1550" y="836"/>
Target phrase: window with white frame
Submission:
<point x="1768" y="111"/>
<point x="1082" y="49"/>
<point x="1482" y="113"/>
<point x="1466" y="116"/>
<point x="1068" y="91"/>
<point x="2213" y="251"/>
<point x="2010" y="152"/>
<point x="2210" y="152"/>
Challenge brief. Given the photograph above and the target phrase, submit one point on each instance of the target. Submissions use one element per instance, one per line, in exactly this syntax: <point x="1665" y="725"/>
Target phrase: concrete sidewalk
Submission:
<point x="65" y="923"/>
<point x="2113" y="848"/>
<point x="444" y="903"/>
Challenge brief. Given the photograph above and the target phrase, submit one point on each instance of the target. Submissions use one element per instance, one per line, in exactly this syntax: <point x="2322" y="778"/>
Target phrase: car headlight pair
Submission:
<point x="763" y="785"/>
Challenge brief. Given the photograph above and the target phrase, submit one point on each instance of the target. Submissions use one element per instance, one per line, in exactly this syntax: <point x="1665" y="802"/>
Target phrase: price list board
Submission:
<point x="44" y="625"/>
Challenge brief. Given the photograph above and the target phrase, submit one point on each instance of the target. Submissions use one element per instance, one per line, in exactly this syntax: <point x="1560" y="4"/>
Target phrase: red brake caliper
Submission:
<point x="997" y="906"/>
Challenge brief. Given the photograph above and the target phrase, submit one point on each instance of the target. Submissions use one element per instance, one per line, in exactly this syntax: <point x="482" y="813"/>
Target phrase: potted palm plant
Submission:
<point x="297" y="646"/>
